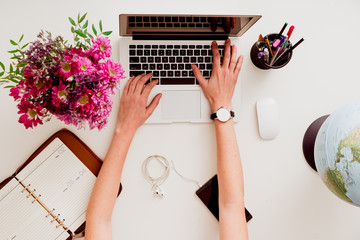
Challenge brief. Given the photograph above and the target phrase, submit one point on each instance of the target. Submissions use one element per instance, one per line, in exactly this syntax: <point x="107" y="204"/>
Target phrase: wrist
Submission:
<point x="217" y="105"/>
<point x="121" y="130"/>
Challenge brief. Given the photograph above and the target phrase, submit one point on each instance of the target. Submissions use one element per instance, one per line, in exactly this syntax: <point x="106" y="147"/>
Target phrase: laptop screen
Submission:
<point x="185" y="25"/>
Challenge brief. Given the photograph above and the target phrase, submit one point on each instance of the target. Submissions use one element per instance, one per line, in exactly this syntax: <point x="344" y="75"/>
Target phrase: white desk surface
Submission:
<point x="286" y="197"/>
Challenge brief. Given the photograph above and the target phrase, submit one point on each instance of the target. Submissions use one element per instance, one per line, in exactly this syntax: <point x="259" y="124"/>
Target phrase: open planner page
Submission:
<point x="65" y="185"/>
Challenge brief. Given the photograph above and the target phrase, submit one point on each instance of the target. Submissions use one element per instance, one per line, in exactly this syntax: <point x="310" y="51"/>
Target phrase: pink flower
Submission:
<point x="30" y="114"/>
<point x="100" y="49"/>
<point x="68" y="67"/>
<point x="85" y="66"/>
<point x="60" y="94"/>
<point x="111" y="71"/>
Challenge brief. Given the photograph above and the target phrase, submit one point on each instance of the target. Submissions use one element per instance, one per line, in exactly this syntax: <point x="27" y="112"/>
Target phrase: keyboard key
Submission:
<point x="131" y="24"/>
<point x="198" y="25"/>
<point x="132" y="52"/>
<point x="173" y="66"/>
<point x="131" y="19"/>
<point x="204" y="52"/>
<point x="161" y="24"/>
<point x="203" y="19"/>
<point x="153" y="19"/>
<point x="165" y="59"/>
<point x="206" y="25"/>
<point x="139" y="52"/>
<point x="169" y="46"/>
<point x="177" y="81"/>
<point x="191" y="46"/>
<point x="197" y="52"/>
<point x="146" y="19"/>
<point x="167" y="66"/>
<point x="172" y="59"/>
<point x="150" y="59"/>
<point x="177" y="46"/>
<point x="132" y="46"/>
<point x="207" y="46"/>
<point x="147" y="46"/>
<point x="167" y="19"/>
<point x="182" y="52"/>
<point x="206" y="73"/>
<point x="189" y="19"/>
<point x="168" y="52"/>
<point x="200" y="59"/>
<point x="199" y="46"/>
<point x="157" y="59"/>
<point x="162" y="46"/>
<point x="143" y="59"/>
<point x="135" y="73"/>
<point x="159" y="66"/>
<point x="154" y="25"/>
<point x="139" y="19"/>
<point x="221" y="46"/>
<point x="175" y="52"/>
<point x="134" y="59"/>
<point x="191" y="25"/>
<point x="169" y="25"/>
<point x="152" y="67"/>
<point x="145" y="66"/>
<point x="196" y="19"/>
<point x="209" y="66"/>
<point x="176" y="24"/>
<point x="161" y="52"/>
<point x="202" y="66"/>
<point x="188" y="66"/>
<point x="189" y="52"/>
<point x="146" y="24"/>
<point x="186" y="59"/>
<point x="135" y="66"/>
<point x="181" y="66"/>
<point x="193" y="59"/>
<point x="207" y="59"/>
<point x="156" y="74"/>
<point x="184" y="74"/>
<point x="170" y="73"/>
<point x="177" y="73"/>
<point x="181" y="19"/>
<point x="163" y="73"/>
<point x="210" y="52"/>
<point x="175" y="19"/>
<point x="139" y="46"/>
<point x="154" y="46"/>
<point x="184" y="25"/>
<point x="147" y="52"/>
<point x="154" y="52"/>
<point x="160" y="19"/>
<point x="179" y="59"/>
<point x="191" y="73"/>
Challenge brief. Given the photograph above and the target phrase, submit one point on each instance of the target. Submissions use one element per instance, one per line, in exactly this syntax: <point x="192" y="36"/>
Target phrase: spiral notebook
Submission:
<point x="47" y="197"/>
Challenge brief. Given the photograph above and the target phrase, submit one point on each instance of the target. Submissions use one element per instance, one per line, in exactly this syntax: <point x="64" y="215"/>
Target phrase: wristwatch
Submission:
<point x="223" y="114"/>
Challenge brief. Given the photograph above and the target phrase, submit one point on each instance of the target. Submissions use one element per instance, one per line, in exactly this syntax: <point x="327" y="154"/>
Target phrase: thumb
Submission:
<point x="150" y="109"/>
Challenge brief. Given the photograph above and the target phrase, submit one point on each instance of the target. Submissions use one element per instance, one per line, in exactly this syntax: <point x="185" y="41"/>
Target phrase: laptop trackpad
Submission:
<point x="180" y="105"/>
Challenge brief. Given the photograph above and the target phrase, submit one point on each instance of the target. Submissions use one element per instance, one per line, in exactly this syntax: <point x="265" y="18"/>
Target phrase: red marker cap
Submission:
<point x="290" y="31"/>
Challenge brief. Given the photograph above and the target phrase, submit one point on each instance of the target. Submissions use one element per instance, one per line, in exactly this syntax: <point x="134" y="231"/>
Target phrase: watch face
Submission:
<point x="223" y="114"/>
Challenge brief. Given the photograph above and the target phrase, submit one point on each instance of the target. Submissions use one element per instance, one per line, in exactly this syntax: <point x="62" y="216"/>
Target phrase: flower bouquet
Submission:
<point x="50" y="77"/>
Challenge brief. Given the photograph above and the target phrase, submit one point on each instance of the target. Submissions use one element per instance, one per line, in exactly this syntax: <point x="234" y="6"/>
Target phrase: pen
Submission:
<point x="291" y="29"/>
<point x="289" y="50"/>
<point x="277" y="50"/>
<point x="282" y="30"/>
<point x="268" y="43"/>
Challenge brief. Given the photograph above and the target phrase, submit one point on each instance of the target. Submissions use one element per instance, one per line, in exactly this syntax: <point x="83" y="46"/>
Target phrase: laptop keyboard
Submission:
<point x="171" y="64"/>
<point x="170" y="21"/>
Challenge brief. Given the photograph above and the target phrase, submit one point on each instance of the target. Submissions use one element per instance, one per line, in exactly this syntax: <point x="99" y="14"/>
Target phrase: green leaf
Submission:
<point x="72" y="21"/>
<point x="80" y="33"/>
<point x="13" y="42"/>
<point x="78" y="18"/>
<point x="2" y="66"/>
<point x="72" y="29"/>
<point x="107" y="33"/>
<point x="2" y="74"/>
<point x="14" y="81"/>
<point x="77" y="39"/>
<point x="11" y="68"/>
<point x="9" y="86"/>
<point x="88" y="41"/>
<point x="82" y="18"/>
<point x="94" y="30"/>
<point x="90" y="35"/>
<point x="25" y="46"/>
<point x="86" y="24"/>
<point x="14" y="51"/>
<point x="22" y="36"/>
<point x="100" y="25"/>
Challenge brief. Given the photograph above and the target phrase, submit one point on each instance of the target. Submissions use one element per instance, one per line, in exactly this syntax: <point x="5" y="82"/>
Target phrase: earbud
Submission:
<point x="158" y="192"/>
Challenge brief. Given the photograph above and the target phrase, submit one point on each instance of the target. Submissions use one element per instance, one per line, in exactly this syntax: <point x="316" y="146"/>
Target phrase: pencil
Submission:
<point x="289" y="50"/>
<point x="269" y="46"/>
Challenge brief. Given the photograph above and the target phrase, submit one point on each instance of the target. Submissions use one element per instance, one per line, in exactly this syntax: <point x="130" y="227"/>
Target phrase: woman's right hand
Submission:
<point x="219" y="88"/>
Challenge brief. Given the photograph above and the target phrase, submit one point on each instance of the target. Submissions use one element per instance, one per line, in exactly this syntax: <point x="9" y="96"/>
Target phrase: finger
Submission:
<point x="233" y="58"/>
<point x="233" y="22"/>
<point x="214" y="23"/>
<point x="134" y="82"/>
<point x="126" y="87"/>
<point x="227" y="25"/>
<point x="216" y="55"/>
<point x="227" y="53"/>
<point x="150" y="109"/>
<point x="198" y="74"/>
<point x="238" y="65"/>
<point x="148" y="88"/>
<point x="140" y="84"/>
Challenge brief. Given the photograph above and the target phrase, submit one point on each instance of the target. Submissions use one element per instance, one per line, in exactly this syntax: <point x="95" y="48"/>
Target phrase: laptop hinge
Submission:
<point x="177" y="37"/>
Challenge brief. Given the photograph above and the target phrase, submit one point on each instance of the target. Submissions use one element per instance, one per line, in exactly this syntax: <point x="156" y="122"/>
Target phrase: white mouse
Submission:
<point x="268" y="118"/>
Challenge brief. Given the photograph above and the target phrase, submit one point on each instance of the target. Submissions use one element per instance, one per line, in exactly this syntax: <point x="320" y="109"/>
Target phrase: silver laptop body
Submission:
<point x="167" y="45"/>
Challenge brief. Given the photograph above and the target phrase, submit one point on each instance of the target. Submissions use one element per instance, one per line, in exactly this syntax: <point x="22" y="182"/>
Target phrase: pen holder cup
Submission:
<point x="260" y="62"/>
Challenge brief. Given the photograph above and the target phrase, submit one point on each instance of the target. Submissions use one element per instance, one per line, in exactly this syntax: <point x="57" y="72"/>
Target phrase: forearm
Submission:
<point x="229" y="167"/>
<point x="100" y="208"/>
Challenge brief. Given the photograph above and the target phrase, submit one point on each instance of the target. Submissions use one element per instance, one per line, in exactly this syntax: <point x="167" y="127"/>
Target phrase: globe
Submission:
<point x="336" y="151"/>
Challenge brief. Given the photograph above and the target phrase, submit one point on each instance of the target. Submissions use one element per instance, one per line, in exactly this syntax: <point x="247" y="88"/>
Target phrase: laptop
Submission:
<point x="167" y="45"/>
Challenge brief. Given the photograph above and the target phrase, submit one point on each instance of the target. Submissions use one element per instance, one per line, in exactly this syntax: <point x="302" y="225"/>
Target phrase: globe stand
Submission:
<point x="309" y="140"/>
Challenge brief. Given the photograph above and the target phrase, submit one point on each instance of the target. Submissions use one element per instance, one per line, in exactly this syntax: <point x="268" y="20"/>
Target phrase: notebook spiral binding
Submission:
<point x="36" y="198"/>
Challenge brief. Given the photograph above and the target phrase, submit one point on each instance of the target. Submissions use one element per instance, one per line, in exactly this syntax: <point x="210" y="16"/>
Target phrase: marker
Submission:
<point x="289" y="50"/>
<point x="289" y="34"/>
<point x="277" y="50"/>
<point x="269" y="46"/>
<point x="282" y="30"/>
<point x="276" y="43"/>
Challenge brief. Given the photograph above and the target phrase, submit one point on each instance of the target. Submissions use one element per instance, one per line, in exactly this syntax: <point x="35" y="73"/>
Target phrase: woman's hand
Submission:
<point x="219" y="88"/>
<point x="133" y="111"/>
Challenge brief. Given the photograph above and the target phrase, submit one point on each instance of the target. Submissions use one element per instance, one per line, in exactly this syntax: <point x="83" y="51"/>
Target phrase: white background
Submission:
<point x="286" y="197"/>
